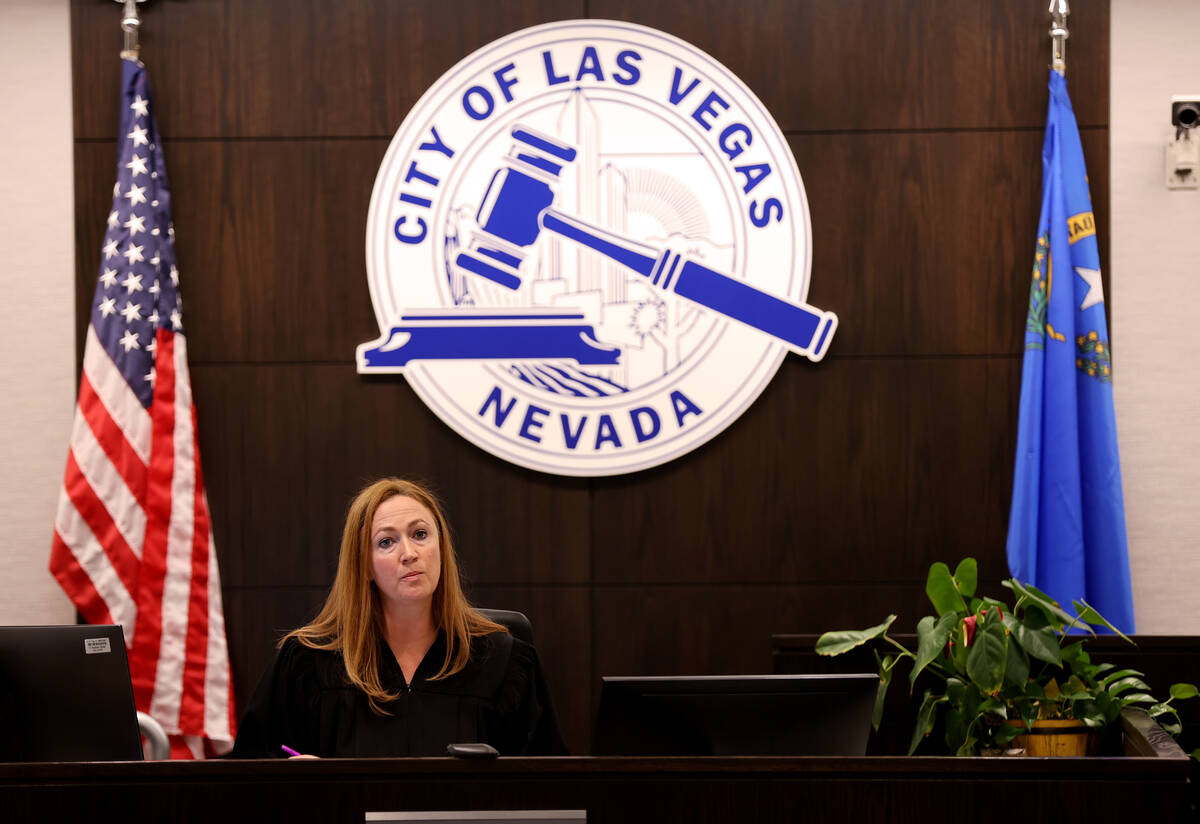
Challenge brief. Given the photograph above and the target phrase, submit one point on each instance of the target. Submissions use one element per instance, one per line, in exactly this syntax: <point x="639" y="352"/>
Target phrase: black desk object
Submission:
<point x="716" y="715"/>
<point x="65" y="695"/>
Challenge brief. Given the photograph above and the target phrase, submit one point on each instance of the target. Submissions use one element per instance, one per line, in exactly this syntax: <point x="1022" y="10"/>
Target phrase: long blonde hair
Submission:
<point x="351" y="620"/>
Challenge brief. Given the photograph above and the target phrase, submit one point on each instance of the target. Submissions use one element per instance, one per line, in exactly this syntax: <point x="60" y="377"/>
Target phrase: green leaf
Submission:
<point x="1159" y="710"/>
<point x="1030" y="588"/>
<point x="988" y="655"/>
<point x="995" y="706"/>
<point x="1042" y="643"/>
<point x="966" y="696"/>
<point x="1184" y="691"/>
<point x="1074" y="689"/>
<point x="958" y="652"/>
<point x="931" y="640"/>
<point x="1034" y="617"/>
<point x="966" y="577"/>
<point x="1049" y="707"/>
<point x="1138" y="698"/>
<point x="942" y="592"/>
<point x="1076" y="656"/>
<point x="968" y="748"/>
<point x="885" y="679"/>
<point x="1016" y="671"/>
<point x="1046" y="603"/>
<point x="1089" y="614"/>
<point x="956" y="729"/>
<point x="835" y="643"/>
<point x="1107" y="705"/>
<point x="1125" y="673"/>
<point x="1007" y="733"/>
<point x="925" y="719"/>
<point x="1121" y="685"/>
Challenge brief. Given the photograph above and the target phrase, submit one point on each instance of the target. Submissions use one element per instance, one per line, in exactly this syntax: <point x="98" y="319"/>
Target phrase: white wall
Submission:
<point x="1155" y="308"/>
<point x="37" y="314"/>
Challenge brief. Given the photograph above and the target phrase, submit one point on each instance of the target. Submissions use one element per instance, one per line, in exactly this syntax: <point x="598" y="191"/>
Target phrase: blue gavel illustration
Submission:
<point x="517" y="206"/>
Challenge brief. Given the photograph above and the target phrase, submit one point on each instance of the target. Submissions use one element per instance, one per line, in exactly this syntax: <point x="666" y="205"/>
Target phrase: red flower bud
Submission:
<point x="969" y="624"/>
<point x="969" y="628"/>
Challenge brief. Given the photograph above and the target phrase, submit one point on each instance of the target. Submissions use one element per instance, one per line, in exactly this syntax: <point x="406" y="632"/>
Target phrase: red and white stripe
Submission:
<point x="133" y="543"/>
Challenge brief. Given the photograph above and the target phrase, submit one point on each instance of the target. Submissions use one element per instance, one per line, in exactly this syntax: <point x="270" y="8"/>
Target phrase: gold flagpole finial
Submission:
<point x="1058" y="35"/>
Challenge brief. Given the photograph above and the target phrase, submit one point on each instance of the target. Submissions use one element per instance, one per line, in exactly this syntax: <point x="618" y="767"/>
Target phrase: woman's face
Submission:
<point x="406" y="552"/>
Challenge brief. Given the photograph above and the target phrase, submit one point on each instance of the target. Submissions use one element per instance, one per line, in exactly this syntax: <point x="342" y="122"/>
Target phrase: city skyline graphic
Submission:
<point x="635" y="194"/>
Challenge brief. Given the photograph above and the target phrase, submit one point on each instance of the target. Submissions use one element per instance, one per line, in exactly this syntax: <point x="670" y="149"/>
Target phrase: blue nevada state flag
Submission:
<point x="1066" y="531"/>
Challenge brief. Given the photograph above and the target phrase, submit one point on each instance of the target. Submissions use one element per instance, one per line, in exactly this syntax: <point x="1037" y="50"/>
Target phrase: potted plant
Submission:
<point x="1002" y="669"/>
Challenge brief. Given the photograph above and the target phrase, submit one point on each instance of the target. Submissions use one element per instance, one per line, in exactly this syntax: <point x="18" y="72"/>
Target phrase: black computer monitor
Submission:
<point x="65" y="695"/>
<point x="735" y="715"/>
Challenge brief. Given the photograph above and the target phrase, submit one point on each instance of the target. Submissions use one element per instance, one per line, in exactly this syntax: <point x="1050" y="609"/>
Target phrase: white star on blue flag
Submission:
<point x="138" y="249"/>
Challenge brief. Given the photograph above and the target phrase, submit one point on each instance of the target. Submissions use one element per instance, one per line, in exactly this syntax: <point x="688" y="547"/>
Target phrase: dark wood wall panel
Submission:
<point x="923" y="239"/>
<point x="917" y="128"/>
<point x="256" y="618"/>
<point x="287" y="68"/>
<point x="964" y="195"/>
<point x="962" y="441"/>
<point x="831" y="465"/>
<point x="854" y="65"/>
<point x="666" y="630"/>
<point x="95" y="169"/>
<point x="244" y="68"/>
<point x="286" y="446"/>
<point x="248" y="213"/>
<point x="249" y="256"/>
<point x="562" y="629"/>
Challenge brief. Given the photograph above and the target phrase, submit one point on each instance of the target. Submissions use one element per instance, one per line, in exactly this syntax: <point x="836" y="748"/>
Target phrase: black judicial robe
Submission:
<point x="304" y="701"/>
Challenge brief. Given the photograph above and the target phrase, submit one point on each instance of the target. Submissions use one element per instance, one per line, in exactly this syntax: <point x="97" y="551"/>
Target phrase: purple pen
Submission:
<point x="288" y="749"/>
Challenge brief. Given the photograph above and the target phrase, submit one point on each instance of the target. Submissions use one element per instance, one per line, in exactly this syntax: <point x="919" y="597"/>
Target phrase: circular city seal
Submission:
<point x="588" y="249"/>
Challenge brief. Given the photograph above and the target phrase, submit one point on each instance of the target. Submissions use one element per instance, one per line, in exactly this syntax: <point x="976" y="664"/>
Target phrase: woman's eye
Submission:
<point x="421" y="534"/>
<point x="386" y="543"/>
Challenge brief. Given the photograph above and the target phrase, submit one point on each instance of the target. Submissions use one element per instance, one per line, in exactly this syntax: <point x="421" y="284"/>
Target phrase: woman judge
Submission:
<point x="397" y="663"/>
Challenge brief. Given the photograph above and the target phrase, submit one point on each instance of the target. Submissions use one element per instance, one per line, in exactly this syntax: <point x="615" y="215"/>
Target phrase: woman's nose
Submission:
<point x="407" y="553"/>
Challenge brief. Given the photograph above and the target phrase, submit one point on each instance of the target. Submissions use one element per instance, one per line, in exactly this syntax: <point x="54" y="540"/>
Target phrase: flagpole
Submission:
<point x="130" y="23"/>
<point x="1059" y="35"/>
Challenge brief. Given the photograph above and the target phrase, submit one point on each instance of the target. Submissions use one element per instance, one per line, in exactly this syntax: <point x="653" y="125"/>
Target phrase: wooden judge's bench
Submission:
<point x="1153" y="780"/>
<point x="1150" y="784"/>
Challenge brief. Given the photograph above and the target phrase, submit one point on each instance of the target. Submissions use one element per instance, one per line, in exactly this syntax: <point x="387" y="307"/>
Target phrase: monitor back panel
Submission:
<point x="65" y="695"/>
<point x="735" y="715"/>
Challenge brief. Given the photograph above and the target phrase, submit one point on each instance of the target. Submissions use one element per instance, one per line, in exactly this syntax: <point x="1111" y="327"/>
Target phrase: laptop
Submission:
<point x="735" y="715"/>
<point x="65" y="695"/>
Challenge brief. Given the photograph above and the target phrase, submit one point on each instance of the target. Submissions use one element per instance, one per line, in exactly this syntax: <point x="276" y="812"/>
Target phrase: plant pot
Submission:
<point x="1062" y="737"/>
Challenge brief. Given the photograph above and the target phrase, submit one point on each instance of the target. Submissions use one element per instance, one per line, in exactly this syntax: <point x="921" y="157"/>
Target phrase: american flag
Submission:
<point x="133" y="540"/>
